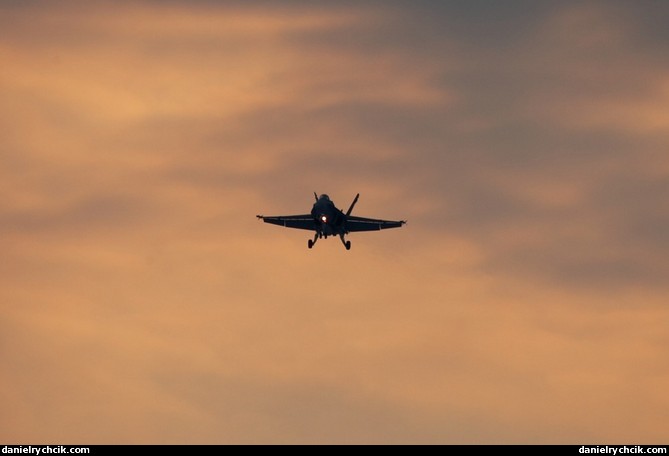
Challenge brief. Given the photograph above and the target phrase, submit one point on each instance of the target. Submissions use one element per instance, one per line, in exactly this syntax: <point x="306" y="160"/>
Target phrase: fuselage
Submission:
<point x="328" y="219"/>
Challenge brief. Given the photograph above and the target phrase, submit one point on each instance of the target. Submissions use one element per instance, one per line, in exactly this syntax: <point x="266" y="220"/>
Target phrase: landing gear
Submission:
<point x="311" y="243"/>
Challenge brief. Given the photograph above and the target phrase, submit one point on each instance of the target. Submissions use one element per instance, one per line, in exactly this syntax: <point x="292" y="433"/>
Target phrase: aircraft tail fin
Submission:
<point x="350" y="209"/>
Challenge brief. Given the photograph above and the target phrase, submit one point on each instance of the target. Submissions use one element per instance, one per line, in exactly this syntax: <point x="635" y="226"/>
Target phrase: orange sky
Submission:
<point x="524" y="302"/>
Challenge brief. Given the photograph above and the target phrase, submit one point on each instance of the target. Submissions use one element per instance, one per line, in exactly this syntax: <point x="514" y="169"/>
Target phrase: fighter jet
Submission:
<point x="326" y="220"/>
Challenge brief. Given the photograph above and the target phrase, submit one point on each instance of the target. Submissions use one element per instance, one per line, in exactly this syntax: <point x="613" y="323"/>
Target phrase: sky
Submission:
<point x="524" y="302"/>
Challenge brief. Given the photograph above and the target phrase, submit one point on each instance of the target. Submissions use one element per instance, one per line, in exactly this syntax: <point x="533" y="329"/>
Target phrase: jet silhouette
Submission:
<point x="326" y="220"/>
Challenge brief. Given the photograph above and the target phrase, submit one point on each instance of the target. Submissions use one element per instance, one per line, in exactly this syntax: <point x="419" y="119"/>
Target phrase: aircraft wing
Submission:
<point x="302" y="222"/>
<point x="354" y="223"/>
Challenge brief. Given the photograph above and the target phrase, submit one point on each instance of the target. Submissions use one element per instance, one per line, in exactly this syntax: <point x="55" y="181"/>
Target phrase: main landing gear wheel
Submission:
<point x="311" y="243"/>
<point x="348" y="245"/>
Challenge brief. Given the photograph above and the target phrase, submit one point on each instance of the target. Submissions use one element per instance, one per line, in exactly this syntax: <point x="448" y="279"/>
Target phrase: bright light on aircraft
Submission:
<point x="324" y="219"/>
